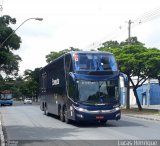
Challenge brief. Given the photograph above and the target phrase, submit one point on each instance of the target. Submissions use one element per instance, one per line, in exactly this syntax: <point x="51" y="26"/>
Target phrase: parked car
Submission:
<point x="27" y="100"/>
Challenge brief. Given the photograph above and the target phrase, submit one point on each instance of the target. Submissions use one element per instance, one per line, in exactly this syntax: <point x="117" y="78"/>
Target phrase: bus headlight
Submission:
<point x="117" y="108"/>
<point x="80" y="109"/>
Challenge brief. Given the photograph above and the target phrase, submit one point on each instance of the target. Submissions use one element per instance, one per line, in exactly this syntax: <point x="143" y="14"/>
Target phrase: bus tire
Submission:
<point x="46" y="110"/>
<point x="62" y="115"/>
<point x="66" y="115"/>
<point x="59" y="110"/>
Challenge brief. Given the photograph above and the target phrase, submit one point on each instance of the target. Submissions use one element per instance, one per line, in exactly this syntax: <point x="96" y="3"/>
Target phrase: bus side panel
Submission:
<point x="53" y="86"/>
<point x="53" y="102"/>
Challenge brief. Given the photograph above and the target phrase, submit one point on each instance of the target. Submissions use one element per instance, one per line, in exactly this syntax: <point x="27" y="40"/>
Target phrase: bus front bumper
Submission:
<point x="99" y="115"/>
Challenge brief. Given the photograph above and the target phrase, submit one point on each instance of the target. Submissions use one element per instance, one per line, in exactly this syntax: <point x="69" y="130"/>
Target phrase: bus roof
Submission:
<point x="90" y="52"/>
<point x="77" y="52"/>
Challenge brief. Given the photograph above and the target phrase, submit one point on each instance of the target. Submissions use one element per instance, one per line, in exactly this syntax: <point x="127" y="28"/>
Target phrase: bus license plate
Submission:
<point x="99" y="117"/>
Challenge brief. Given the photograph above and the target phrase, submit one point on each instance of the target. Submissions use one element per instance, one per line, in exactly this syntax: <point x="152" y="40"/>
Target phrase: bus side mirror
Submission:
<point x="72" y="76"/>
<point x="125" y="78"/>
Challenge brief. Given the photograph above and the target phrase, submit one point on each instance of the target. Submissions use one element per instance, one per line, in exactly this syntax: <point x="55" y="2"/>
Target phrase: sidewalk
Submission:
<point x="155" y="115"/>
<point x="154" y="107"/>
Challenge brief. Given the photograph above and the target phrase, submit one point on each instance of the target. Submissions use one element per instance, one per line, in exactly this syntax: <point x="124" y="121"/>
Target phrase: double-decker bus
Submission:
<point x="81" y="86"/>
<point x="6" y="97"/>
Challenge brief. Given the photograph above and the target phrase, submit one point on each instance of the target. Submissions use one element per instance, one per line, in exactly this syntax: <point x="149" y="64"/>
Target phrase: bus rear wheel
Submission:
<point x="62" y="118"/>
<point x="66" y="115"/>
<point x="46" y="110"/>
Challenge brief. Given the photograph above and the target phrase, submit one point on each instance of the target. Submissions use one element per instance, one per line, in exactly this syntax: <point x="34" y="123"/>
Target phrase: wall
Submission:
<point x="155" y="94"/>
<point x="143" y="94"/>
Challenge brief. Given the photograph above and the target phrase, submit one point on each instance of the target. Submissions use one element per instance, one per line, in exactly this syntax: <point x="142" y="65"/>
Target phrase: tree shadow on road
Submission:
<point x="38" y="133"/>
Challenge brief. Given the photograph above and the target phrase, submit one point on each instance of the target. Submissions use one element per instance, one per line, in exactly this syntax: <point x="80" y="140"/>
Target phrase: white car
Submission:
<point x="27" y="100"/>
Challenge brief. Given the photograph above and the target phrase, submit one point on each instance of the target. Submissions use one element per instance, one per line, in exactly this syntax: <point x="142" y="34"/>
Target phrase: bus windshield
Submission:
<point x="94" y="62"/>
<point x="98" y="92"/>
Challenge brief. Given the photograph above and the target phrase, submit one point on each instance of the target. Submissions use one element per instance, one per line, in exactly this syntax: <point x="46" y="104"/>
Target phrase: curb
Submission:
<point x="142" y="117"/>
<point x="2" y="141"/>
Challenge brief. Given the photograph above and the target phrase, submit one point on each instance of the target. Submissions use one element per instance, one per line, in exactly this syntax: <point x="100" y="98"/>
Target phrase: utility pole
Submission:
<point x="128" y="86"/>
<point x="129" y="31"/>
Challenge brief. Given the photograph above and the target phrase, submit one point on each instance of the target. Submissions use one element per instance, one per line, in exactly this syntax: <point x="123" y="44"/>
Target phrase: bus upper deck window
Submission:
<point x="113" y="63"/>
<point x="83" y="62"/>
<point x="105" y="63"/>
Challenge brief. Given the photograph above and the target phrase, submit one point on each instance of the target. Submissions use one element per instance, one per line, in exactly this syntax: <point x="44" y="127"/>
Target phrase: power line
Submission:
<point x="148" y="16"/>
<point x="113" y="34"/>
<point x="151" y="15"/>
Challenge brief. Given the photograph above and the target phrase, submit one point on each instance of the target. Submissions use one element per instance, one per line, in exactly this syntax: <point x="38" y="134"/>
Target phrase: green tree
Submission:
<point x="111" y="44"/>
<point x="30" y="85"/>
<point x="116" y="44"/>
<point x="133" y="41"/>
<point x="137" y="61"/>
<point x="9" y="63"/>
<point x="53" y="55"/>
<point x="8" y="60"/>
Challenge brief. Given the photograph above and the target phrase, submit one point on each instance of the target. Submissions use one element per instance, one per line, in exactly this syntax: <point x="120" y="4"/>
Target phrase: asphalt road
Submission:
<point x="27" y="125"/>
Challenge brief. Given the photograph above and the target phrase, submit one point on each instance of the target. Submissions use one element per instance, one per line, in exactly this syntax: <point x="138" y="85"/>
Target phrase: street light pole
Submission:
<point x="39" y="19"/>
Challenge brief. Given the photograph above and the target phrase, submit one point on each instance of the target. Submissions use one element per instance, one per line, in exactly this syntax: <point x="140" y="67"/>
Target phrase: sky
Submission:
<point x="83" y="24"/>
